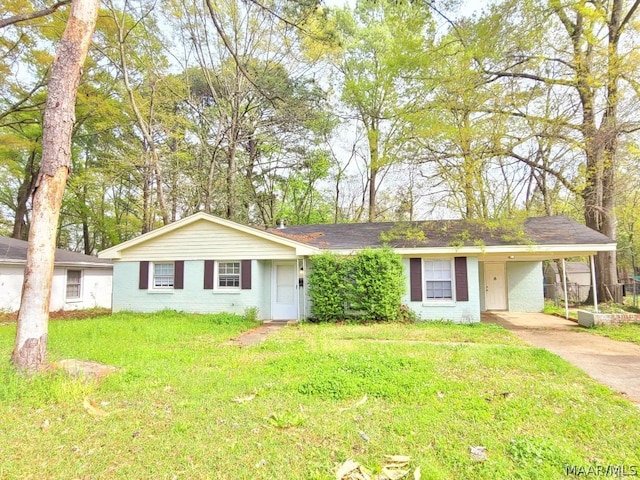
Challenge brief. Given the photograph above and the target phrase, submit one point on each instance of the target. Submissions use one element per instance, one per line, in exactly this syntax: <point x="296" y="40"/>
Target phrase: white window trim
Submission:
<point x="216" y="278"/>
<point x="439" y="301"/>
<point x="80" y="290"/>
<point x="152" y="283"/>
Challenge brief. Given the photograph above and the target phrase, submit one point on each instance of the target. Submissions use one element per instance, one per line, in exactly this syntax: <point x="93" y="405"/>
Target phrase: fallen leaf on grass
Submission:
<point x="93" y="409"/>
<point x="246" y="399"/>
<point x="396" y="468"/>
<point x="479" y="453"/>
<point x="352" y="470"/>
<point x="346" y="468"/>
<point x="390" y="474"/>
<point x="359" y="403"/>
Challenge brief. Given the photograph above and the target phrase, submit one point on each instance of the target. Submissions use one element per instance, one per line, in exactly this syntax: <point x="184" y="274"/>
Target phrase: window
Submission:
<point x="74" y="284"/>
<point x="228" y="274"/>
<point x="163" y="275"/>
<point x="438" y="279"/>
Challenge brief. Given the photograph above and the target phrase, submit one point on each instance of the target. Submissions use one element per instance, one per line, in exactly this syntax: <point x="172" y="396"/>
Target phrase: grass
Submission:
<point x="550" y="308"/>
<point x="627" y="333"/>
<point x="186" y="404"/>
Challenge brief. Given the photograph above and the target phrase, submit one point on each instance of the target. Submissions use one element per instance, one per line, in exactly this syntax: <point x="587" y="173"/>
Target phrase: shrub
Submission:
<point x="370" y="284"/>
<point x="326" y="287"/>
<point x="377" y="283"/>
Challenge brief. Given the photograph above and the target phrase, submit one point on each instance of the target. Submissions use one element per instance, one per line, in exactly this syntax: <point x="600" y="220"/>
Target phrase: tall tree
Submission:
<point x="582" y="50"/>
<point x="31" y="337"/>
<point x="380" y="47"/>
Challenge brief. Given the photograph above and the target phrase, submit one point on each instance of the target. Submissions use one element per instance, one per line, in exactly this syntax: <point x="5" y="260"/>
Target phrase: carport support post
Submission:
<point x="566" y="294"/>
<point x="593" y="283"/>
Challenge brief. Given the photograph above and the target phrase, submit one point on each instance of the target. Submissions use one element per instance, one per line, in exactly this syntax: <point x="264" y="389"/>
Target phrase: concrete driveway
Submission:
<point x="612" y="363"/>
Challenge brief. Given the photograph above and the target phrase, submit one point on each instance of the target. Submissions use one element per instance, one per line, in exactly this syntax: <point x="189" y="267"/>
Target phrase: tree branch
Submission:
<point x="23" y="17"/>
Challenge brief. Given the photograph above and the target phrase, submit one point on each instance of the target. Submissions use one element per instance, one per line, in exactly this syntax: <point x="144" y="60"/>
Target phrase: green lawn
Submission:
<point x="186" y="404"/>
<point x="627" y="333"/>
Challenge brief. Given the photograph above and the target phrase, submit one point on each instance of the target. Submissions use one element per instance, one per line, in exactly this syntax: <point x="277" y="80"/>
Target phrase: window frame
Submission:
<point x="426" y="279"/>
<point x="79" y="285"/>
<point x="152" y="283"/>
<point x="217" y="276"/>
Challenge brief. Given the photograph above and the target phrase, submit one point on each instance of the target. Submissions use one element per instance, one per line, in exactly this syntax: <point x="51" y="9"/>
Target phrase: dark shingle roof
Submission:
<point x="15" y="251"/>
<point x="445" y="233"/>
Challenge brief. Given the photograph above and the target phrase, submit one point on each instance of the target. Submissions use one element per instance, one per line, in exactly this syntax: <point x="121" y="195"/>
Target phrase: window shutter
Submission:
<point x="208" y="274"/>
<point x="178" y="274"/>
<point x="462" y="285"/>
<point x="245" y="274"/>
<point x="415" y="279"/>
<point x="143" y="279"/>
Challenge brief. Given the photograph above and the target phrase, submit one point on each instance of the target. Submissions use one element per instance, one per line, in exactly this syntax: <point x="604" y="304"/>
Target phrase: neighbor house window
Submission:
<point x="228" y="275"/>
<point x="74" y="284"/>
<point x="163" y="275"/>
<point x="438" y="279"/>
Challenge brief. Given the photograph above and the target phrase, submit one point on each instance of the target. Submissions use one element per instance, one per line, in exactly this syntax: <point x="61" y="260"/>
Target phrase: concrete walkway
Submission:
<point x="611" y="362"/>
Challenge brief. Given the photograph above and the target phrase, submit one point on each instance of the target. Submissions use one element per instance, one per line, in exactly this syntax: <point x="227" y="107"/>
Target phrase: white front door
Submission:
<point x="495" y="286"/>
<point x="284" y="304"/>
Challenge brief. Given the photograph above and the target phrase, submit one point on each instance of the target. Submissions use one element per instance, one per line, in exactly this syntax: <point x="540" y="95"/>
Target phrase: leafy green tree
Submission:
<point x="584" y="52"/>
<point x="377" y="49"/>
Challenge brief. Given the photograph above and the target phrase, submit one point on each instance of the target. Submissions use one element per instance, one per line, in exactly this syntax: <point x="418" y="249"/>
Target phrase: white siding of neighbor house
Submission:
<point x="204" y="239"/>
<point x="525" y="286"/>
<point x="95" y="289"/>
<point x="193" y="297"/>
<point x="457" y="312"/>
<point x="11" y="278"/>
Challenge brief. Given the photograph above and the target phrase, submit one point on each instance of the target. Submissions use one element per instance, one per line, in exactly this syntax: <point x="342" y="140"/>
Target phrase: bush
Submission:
<point x="369" y="285"/>
<point x="326" y="287"/>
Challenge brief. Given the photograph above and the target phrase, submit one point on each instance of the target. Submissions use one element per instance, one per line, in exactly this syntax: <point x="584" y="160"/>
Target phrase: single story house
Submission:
<point x="578" y="281"/>
<point x="455" y="269"/>
<point x="79" y="281"/>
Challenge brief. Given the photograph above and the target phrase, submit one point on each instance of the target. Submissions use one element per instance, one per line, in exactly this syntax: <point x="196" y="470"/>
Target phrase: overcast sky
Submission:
<point x="467" y="6"/>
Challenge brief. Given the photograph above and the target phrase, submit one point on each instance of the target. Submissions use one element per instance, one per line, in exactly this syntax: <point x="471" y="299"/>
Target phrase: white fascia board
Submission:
<point x="568" y="250"/>
<point x="115" y="251"/>
<point x="22" y="263"/>
<point x="84" y="265"/>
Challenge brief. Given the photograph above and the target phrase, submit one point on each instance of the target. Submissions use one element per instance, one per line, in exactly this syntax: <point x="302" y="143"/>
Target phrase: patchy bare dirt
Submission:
<point x="83" y="369"/>
<point x="6" y="318"/>
<point x="257" y="335"/>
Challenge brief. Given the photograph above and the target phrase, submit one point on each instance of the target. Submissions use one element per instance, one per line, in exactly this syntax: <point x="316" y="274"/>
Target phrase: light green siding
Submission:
<point x="203" y="239"/>
<point x="193" y="298"/>
<point x="525" y="286"/>
<point x="458" y="312"/>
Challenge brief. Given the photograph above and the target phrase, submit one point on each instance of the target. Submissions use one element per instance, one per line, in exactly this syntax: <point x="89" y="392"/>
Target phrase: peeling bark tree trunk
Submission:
<point x="31" y="337"/>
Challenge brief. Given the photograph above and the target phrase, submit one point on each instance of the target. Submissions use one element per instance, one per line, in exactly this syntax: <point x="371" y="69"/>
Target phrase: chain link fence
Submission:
<point x="579" y="294"/>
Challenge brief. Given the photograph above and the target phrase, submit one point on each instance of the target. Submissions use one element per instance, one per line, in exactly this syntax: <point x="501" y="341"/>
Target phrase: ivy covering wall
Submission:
<point x="367" y="286"/>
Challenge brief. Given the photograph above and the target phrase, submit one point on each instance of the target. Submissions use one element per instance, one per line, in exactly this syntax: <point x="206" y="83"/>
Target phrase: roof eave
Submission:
<point x="115" y="252"/>
<point x="567" y="250"/>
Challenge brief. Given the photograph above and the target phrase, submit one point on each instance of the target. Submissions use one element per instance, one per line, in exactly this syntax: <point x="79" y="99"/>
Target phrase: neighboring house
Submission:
<point x="454" y="268"/>
<point x="79" y="281"/>
<point x="578" y="281"/>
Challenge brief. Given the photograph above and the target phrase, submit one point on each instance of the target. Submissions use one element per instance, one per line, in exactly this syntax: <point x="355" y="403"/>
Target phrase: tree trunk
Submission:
<point x="31" y="337"/>
<point x="25" y="190"/>
<point x="374" y="152"/>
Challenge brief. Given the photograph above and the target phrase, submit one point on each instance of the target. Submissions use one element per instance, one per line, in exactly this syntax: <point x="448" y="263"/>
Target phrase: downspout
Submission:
<point x="593" y="282"/>
<point x="566" y="293"/>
